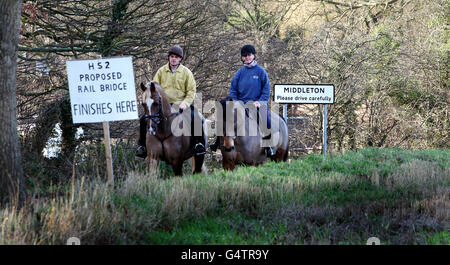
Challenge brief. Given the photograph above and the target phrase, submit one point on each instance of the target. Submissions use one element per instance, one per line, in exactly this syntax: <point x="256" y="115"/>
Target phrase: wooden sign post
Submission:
<point x="102" y="90"/>
<point x="108" y="153"/>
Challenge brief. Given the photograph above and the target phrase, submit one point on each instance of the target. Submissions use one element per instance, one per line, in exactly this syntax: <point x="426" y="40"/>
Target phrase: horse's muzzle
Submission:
<point x="229" y="149"/>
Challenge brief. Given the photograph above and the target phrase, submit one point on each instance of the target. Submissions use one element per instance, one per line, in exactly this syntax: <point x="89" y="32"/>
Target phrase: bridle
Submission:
<point x="156" y="120"/>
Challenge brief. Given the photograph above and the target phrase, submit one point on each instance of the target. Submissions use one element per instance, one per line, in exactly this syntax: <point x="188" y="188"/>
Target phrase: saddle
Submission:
<point x="247" y="114"/>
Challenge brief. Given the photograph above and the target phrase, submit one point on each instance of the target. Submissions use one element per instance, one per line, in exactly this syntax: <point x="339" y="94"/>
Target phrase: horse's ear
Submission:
<point x="152" y="87"/>
<point x="143" y="87"/>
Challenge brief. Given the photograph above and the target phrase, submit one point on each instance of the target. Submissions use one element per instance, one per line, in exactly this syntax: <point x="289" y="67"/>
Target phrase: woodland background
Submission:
<point x="387" y="59"/>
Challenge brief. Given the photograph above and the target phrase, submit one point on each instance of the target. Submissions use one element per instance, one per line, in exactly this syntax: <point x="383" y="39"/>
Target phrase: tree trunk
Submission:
<point x="12" y="185"/>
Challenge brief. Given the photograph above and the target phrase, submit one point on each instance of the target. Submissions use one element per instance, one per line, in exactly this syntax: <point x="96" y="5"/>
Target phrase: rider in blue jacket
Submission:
<point x="251" y="83"/>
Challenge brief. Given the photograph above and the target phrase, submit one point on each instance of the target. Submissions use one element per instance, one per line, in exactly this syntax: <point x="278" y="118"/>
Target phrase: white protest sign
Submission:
<point x="304" y="94"/>
<point x="102" y="90"/>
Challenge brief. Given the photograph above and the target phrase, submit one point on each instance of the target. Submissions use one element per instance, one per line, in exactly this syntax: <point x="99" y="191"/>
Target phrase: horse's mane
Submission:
<point x="185" y="117"/>
<point x="164" y="99"/>
<point x="166" y="108"/>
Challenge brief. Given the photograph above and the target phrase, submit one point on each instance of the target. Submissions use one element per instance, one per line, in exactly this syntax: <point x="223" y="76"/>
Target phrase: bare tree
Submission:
<point x="388" y="62"/>
<point x="55" y="31"/>
<point x="11" y="174"/>
<point x="387" y="59"/>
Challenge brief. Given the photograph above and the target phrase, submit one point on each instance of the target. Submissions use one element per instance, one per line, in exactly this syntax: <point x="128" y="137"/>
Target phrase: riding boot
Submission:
<point x="199" y="141"/>
<point x="141" y="151"/>
<point x="268" y="150"/>
<point x="215" y="145"/>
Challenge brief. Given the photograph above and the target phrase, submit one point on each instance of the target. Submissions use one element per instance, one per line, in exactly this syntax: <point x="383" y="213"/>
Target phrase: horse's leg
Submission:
<point x="280" y="155"/>
<point x="152" y="165"/>
<point x="286" y="154"/>
<point x="228" y="153"/>
<point x="228" y="164"/>
<point x="282" y="151"/>
<point x="178" y="168"/>
<point x="193" y="164"/>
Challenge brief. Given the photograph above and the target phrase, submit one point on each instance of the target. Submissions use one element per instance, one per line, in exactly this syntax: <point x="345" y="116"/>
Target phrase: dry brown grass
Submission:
<point x="83" y="212"/>
<point x="142" y="203"/>
<point x="355" y="223"/>
<point x="400" y="223"/>
<point x="418" y="172"/>
<point x="319" y="207"/>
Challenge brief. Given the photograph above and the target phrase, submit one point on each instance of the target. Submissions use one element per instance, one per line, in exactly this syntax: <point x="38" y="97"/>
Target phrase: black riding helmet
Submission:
<point x="177" y="50"/>
<point x="247" y="49"/>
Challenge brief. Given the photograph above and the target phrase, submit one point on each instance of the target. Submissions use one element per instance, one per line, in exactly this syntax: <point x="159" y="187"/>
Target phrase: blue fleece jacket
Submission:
<point x="250" y="83"/>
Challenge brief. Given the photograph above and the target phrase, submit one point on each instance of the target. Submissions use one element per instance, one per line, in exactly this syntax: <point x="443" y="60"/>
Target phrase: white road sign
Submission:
<point x="102" y="90"/>
<point x="304" y="94"/>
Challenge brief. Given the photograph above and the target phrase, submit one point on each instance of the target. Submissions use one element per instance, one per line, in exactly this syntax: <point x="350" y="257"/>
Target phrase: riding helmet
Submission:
<point x="247" y="49"/>
<point x="177" y="50"/>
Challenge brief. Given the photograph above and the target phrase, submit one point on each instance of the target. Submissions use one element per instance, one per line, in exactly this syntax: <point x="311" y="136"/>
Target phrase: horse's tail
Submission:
<point x="282" y="117"/>
<point x="286" y="154"/>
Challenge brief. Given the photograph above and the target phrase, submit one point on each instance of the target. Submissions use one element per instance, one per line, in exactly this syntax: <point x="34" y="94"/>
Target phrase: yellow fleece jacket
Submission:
<point x="179" y="86"/>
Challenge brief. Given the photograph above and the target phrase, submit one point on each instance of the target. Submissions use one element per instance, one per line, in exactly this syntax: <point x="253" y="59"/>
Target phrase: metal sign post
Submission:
<point x="285" y="112"/>
<point x="324" y="129"/>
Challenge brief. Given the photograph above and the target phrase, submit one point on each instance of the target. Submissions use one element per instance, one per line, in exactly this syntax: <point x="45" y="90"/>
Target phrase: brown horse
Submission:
<point x="242" y="141"/>
<point x="163" y="141"/>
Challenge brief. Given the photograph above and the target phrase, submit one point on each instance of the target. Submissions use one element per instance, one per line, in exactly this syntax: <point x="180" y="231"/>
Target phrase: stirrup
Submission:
<point x="199" y="149"/>
<point x="141" y="152"/>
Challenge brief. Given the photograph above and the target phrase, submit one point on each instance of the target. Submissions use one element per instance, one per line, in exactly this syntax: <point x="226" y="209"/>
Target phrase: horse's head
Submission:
<point x="150" y="98"/>
<point x="155" y="103"/>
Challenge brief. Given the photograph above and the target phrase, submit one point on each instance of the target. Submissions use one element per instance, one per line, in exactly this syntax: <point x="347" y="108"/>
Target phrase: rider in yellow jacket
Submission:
<point x="179" y="84"/>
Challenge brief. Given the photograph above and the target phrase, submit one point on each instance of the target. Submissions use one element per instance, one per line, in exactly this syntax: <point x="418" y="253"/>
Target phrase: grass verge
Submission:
<point x="399" y="196"/>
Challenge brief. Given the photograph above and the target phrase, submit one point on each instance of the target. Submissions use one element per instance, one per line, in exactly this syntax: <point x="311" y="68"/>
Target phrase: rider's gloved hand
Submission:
<point x="183" y="105"/>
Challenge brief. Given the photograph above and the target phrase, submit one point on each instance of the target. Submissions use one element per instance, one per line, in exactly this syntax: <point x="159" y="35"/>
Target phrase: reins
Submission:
<point x="157" y="118"/>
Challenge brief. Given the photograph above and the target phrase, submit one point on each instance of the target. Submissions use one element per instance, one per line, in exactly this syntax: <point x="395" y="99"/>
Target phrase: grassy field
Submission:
<point x="399" y="196"/>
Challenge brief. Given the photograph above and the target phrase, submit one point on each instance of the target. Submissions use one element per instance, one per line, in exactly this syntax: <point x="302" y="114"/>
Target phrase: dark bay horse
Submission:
<point x="242" y="141"/>
<point x="163" y="141"/>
